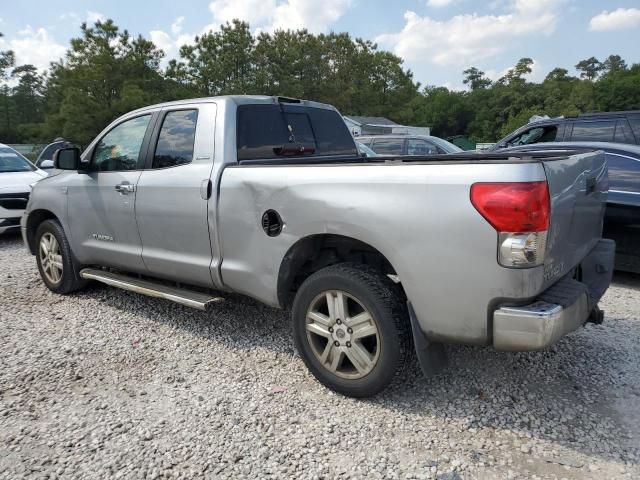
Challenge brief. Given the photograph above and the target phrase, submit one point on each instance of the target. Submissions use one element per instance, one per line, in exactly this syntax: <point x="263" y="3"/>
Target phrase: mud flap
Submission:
<point x="597" y="269"/>
<point x="431" y="355"/>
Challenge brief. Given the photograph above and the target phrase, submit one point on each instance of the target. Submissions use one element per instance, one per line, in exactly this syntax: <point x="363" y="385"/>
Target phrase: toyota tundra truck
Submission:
<point x="379" y="259"/>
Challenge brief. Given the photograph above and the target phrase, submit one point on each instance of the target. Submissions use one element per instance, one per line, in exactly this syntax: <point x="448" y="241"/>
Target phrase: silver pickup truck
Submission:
<point x="377" y="258"/>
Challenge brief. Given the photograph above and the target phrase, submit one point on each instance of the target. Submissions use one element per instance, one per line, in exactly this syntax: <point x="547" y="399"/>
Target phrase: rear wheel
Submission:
<point x="55" y="261"/>
<point x="351" y="329"/>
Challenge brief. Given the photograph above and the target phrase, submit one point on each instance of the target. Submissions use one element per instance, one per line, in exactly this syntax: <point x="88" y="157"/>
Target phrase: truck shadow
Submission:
<point x="557" y="395"/>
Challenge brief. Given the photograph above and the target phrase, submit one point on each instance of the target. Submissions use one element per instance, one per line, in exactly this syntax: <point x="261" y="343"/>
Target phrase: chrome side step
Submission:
<point x="145" y="287"/>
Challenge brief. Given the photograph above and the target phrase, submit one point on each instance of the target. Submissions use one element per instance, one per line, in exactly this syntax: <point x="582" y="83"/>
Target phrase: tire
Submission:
<point x="61" y="259"/>
<point x="348" y="362"/>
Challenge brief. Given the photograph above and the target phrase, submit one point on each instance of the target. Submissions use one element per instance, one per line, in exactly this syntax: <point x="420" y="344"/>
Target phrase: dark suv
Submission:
<point x="617" y="127"/>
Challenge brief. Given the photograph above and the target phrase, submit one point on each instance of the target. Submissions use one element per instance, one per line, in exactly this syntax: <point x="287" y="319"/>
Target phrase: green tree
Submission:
<point x="297" y="64"/>
<point x="589" y="68"/>
<point x="218" y="63"/>
<point x="619" y="90"/>
<point x="446" y="112"/>
<point x="28" y="94"/>
<point x="516" y="74"/>
<point x="475" y="78"/>
<point x="105" y="73"/>
<point x="7" y="60"/>
<point x="558" y="75"/>
<point x="614" y="64"/>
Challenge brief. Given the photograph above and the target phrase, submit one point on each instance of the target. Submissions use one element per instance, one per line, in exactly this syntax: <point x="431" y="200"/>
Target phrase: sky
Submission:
<point x="437" y="39"/>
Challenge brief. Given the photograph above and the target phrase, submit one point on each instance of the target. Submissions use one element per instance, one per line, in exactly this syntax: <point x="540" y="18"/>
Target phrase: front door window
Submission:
<point x="119" y="149"/>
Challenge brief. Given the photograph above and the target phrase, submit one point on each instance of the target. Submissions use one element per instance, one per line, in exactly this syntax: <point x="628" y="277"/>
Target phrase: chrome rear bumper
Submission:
<point x="536" y="326"/>
<point x="559" y="310"/>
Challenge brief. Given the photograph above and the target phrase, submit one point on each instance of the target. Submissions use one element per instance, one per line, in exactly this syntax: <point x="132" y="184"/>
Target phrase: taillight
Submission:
<point x="519" y="211"/>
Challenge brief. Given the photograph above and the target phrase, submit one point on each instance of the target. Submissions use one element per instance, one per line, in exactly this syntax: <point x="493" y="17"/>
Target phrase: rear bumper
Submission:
<point x="560" y="309"/>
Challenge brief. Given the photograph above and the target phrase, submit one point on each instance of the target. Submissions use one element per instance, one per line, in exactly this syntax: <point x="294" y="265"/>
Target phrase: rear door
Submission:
<point x="578" y="185"/>
<point x="173" y="194"/>
<point x="101" y="201"/>
<point x="593" y="130"/>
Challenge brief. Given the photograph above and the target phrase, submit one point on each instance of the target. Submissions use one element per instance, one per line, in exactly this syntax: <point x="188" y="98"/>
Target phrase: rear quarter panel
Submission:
<point x="418" y="216"/>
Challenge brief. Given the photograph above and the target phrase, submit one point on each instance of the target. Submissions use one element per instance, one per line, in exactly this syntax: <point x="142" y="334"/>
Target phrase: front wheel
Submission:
<point x="55" y="262"/>
<point x="351" y="328"/>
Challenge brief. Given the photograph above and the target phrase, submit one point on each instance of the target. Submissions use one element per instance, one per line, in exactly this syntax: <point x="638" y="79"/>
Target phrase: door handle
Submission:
<point x="205" y="189"/>
<point x="125" y="187"/>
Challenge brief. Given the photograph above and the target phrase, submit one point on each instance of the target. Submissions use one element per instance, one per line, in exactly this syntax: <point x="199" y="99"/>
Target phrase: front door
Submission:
<point x="173" y="194"/>
<point x="101" y="202"/>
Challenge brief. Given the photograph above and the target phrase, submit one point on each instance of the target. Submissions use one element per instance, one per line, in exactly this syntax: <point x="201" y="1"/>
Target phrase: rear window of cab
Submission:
<point x="285" y="131"/>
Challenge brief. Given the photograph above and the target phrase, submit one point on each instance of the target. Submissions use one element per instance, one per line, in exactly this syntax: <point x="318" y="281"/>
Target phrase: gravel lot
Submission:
<point x="108" y="383"/>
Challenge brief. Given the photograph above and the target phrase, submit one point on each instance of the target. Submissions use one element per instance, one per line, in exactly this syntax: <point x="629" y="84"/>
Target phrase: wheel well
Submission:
<point x="315" y="252"/>
<point x="33" y="222"/>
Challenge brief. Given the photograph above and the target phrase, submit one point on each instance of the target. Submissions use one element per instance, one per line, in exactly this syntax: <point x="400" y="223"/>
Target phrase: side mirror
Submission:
<point x="46" y="164"/>
<point x="67" y="158"/>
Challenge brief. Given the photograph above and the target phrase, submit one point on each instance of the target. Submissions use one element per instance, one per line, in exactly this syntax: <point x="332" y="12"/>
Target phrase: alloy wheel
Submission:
<point x="343" y="334"/>
<point x="50" y="257"/>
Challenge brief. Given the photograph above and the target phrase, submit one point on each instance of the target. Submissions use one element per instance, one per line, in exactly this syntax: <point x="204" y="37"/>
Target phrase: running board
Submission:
<point x="152" y="289"/>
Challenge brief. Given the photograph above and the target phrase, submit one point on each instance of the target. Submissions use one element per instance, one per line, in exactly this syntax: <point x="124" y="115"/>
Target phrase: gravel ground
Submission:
<point x="111" y="384"/>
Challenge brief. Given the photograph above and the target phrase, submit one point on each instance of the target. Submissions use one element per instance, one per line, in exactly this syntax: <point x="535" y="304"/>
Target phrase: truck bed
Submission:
<point x="451" y="158"/>
<point x="418" y="214"/>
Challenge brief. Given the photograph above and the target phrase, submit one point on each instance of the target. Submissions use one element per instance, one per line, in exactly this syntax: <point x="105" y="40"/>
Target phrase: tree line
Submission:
<point x="107" y="72"/>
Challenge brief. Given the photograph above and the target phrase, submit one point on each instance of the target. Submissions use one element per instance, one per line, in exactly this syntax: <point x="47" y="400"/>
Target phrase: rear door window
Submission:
<point x="417" y="146"/>
<point x="275" y="131"/>
<point x="175" y="142"/>
<point x="593" y="131"/>
<point x="388" y="146"/>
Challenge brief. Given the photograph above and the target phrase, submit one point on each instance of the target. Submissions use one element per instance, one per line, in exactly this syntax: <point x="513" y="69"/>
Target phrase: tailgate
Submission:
<point x="578" y="185"/>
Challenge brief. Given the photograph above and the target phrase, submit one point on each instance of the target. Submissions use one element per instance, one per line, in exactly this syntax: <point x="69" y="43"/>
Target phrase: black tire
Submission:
<point x="375" y="292"/>
<point x="70" y="280"/>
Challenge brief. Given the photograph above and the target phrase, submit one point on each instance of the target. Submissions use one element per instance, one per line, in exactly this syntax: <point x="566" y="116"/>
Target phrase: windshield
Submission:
<point x="535" y="135"/>
<point x="12" y="161"/>
<point x="448" y="147"/>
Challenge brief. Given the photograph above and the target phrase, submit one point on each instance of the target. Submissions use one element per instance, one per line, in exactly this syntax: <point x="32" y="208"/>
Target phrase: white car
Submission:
<point x="17" y="174"/>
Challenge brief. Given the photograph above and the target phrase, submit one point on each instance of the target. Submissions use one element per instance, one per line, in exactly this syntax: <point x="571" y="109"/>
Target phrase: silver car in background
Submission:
<point x="398" y="144"/>
<point x="17" y="174"/>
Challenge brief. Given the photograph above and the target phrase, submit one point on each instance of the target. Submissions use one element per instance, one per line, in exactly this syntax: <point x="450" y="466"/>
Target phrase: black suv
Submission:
<point x="617" y="127"/>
